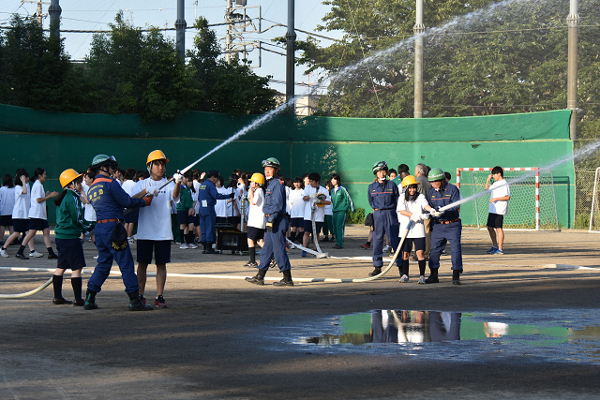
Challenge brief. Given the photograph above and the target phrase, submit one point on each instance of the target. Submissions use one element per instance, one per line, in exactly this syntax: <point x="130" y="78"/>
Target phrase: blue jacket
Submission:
<point x="208" y="191"/>
<point x="109" y="199"/>
<point x="448" y="194"/>
<point x="274" y="205"/>
<point x="383" y="196"/>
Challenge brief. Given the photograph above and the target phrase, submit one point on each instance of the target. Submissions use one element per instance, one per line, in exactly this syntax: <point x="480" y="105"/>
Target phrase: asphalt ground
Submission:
<point x="222" y="337"/>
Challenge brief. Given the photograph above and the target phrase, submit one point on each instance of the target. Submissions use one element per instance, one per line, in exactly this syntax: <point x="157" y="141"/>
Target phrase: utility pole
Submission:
<point x="290" y="59"/>
<point x="228" y="12"/>
<point x="240" y="23"/>
<point x="54" y="10"/>
<point x="418" y="29"/>
<point x="573" y="23"/>
<point x="39" y="8"/>
<point x="180" y="26"/>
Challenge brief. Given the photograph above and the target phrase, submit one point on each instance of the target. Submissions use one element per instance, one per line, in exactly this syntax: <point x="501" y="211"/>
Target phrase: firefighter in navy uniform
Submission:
<point x="277" y="226"/>
<point x="383" y="197"/>
<point x="207" y="197"/>
<point x="446" y="225"/>
<point x="109" y="200"/>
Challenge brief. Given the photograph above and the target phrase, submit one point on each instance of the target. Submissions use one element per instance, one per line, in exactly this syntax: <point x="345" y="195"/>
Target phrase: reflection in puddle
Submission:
<point x="565" y="335"/>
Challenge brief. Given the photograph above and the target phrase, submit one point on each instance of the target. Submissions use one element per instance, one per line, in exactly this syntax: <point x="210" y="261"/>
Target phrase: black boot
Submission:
<point x="433" y="277"/>
<point x="90" y="300"/>
<point x="456" y="277"/>
<point x="259" y="278"/>
<point x="203" y="247"/>
<point x="287" y="279"/>
<point x="209" y="249"/>
<point x="135" y="304"/>
<point x="376" y="271"/>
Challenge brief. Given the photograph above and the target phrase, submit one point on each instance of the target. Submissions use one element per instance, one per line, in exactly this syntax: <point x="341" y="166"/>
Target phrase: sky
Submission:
<point x="95" y="15"/>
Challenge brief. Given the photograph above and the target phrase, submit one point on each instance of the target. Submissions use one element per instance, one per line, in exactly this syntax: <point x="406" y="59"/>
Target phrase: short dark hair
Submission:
<point x="447" y="175"/>
<point x="403" y="168"/>
<point x="337" y="178"/>
<point x="314" y="176"/>
<point x="7" y="181"/>
<point x="498" y="170"/>
<point x="392" y="171"/>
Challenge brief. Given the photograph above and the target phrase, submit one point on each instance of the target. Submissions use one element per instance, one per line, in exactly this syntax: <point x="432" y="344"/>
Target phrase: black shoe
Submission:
<point x="210" y="250"/>
<point x="78" y="303"/>
<point x="284" y="282"/>
<point x="456" y="277"/>
<point x="256" y="279"/>
<point x="21" y="256"/>
<point x="135" y="304"/>
<point x="375" y="272"/>
<point x="337" y="246"/>
<point x="52" y="256"/>
<point x="61" y="300"/>
<point x="432" y="279"/>
<point x="90" y="301"/>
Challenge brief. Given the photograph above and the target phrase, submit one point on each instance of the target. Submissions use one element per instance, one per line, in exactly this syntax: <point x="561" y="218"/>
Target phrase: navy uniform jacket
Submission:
<point x="383" y="196"/>
<point x="109" y="199"/>
<point x="207" y="191"/>
<point x="448" y="194"/>
<point x="274" y="205"/>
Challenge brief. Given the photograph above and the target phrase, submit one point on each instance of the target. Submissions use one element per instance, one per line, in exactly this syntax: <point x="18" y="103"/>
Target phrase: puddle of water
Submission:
<point x="558" y="335"/>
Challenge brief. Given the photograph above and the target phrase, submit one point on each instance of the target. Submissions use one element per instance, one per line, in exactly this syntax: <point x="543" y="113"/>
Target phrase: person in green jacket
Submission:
<point x="185" y="212"/>
<point x="70" y="224"/>
<point x="342" y="202"/>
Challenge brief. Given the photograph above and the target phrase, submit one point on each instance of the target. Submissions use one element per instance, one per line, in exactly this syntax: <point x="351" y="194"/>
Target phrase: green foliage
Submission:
<point x="127" y="71"/>
<point x="356" y="217"/>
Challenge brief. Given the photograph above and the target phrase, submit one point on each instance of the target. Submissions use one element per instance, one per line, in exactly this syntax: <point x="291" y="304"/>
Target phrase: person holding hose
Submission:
<point x="109" y="200"/>
<point x="383" y="198"/>
<point x="207" y="197"/>
<point x="446" y="225"/>
<point x="277" y="225"/>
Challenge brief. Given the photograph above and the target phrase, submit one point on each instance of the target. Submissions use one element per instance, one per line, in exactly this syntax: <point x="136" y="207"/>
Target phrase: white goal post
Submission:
<point x="532" y="205"/>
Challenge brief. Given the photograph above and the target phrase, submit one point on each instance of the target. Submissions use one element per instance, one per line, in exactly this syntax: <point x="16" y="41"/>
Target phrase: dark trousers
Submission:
<point x="275" y="246"/>
<point x="385" y="222"/>
<point x="442" y="234"/>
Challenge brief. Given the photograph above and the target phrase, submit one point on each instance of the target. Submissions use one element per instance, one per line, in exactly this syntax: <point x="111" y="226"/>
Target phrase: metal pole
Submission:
<point x="573" y="22"/>
<point x="228" y="12"/>
<point x="54" y="10"/>
<point x="418" y="29"/>
<point x="180" y="26"/>
<point x="290" y="61"/>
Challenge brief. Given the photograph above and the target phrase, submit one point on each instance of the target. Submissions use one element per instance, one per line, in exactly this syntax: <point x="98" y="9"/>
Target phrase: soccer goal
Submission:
<point x="532" y="204"/>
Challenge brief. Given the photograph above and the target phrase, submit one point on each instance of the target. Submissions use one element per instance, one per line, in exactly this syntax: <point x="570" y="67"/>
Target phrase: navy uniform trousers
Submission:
<point x="275" y="245"/>
<point x="442" y="234"/>
<point x="385" y="221"/>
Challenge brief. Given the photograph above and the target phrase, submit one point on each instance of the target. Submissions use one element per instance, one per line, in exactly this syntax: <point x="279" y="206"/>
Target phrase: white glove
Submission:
<point x="416" y="218"/>
<point x="435" y="213"/>
<point x="153" y="192"/>
<point x="313" y="195"/>
<point x="177" y="177"/>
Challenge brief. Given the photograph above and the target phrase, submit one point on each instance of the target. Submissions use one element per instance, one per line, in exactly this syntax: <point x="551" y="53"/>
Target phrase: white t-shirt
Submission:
<point x="297" y="203"/>
<point x="37" y="210"/>
<point x="319" y="211"/>
<point x="256" y="217"/>
<point x="22" y="203"/>
<point x="221" y="205"/>
<point x="499" y="189"/>
<point x="288" y="206"/>
<point x="195" y="197"/>
<point x="128" y="186"/>
<point x="7" y="200"/>
<point x="417" y="230"/>
<point x="329" y="207"/>
<point x="154" y="221"/>
<point x="89" y="214"/>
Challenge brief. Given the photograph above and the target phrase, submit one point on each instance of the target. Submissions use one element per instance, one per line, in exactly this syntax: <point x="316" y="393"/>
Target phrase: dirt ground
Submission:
<point x="222" y="338"/>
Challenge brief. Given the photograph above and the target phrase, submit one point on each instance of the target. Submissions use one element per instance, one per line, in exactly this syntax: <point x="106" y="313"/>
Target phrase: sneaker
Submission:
<point x="492" y="250"/>
<point x="303" y="254"/>
<point x="337" y="246"/>
<point x="95" y="257"/>
<point x="404" y="279"/>
<point x="386" y="249"/>
<point x="21" y="256"/>
<point x="192" y="246"/>
<point x="251" y="264"/>
<point x="272" y="264"/>
<point x="160" y="302"/>
<point x="131" y="240"/>
<point x="259" y="252"/>
<point x="184" y="246"/>
<point x="35" y="254"/>
<point x="3" y="253"/>
<point x="444" y="253"/>
<point x="421" y="280"/>
<point x="142" y="298"/>
<point x="366" y="246"/>
<point x="498" y="252"/>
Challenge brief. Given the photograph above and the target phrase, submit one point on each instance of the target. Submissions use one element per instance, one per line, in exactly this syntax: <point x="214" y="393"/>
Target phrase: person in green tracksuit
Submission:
<point x="70" y="224"/>
<point x="342" y="202"/>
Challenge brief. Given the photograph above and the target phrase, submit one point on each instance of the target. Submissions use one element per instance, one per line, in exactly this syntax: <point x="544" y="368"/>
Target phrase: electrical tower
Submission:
<point x="240" y="23"/>
<point x="39" y="13"/>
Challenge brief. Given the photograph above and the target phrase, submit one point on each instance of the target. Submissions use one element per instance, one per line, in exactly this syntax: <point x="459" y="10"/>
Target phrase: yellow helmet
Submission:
<point x="156" y="155"/>
<point x="321" y="197"/>
<point x="68" y="176"/>
<point x="409" y="180"/>
<point x="257" y="177"/>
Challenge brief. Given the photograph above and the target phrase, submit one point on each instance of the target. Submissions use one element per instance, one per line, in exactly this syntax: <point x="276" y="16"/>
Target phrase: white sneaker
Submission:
<point x="421" y="280"/>
<point x="184" y="246"/>
<point x="192" y="246"/>
<point x="95" y="257"/>
<point x="386" y="249"/>
<point x="131" y="240"/>
<point x="35" y="254"/>
<point x="404" y="279"/>
<point x="3" y="253"/>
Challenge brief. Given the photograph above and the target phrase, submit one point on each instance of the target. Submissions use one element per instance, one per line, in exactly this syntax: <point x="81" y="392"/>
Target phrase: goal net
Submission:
<point x="532" y="204"/>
